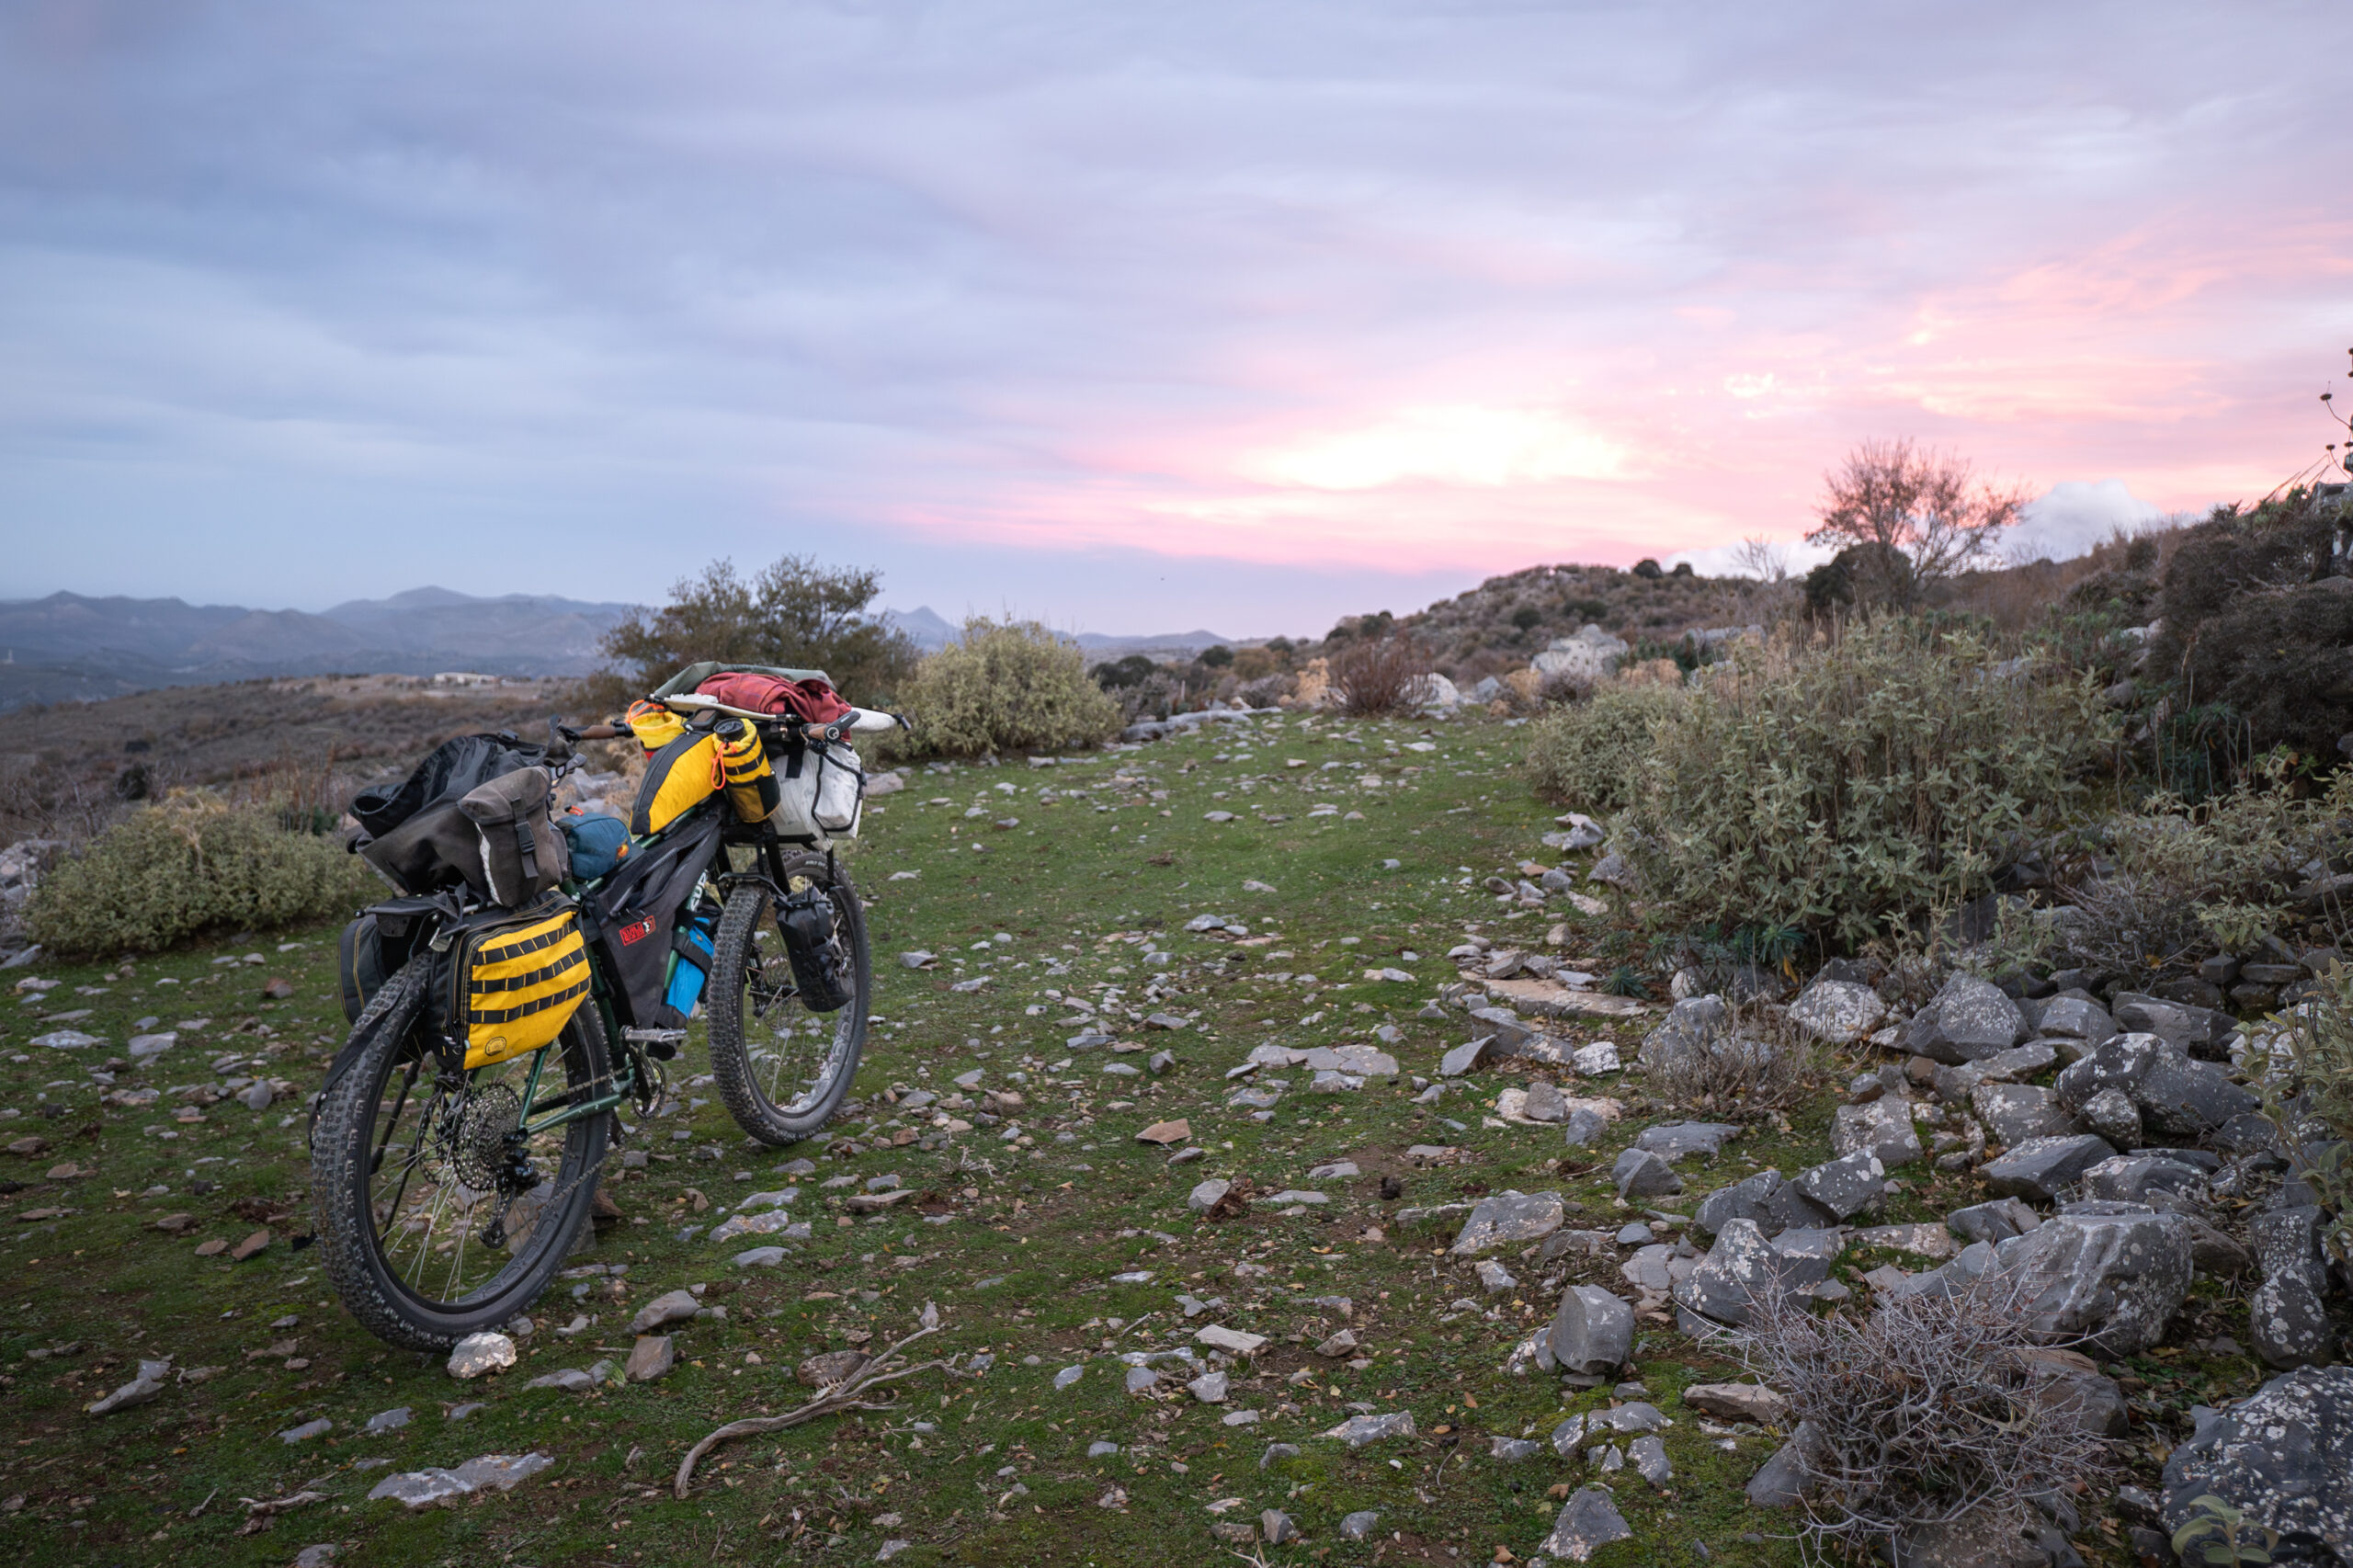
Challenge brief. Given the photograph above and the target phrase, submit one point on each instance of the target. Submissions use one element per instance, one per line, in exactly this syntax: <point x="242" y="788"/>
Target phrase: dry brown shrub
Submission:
<point x="1921" y="1413"/>
<point x="1377" y="675"/>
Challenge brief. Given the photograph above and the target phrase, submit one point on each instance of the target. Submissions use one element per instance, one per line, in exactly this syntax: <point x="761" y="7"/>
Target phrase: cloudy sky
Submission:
<point x="1130" y="317"/>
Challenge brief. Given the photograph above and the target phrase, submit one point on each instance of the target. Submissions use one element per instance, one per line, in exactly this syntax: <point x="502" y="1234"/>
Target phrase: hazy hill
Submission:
<point x="73" y="647"/>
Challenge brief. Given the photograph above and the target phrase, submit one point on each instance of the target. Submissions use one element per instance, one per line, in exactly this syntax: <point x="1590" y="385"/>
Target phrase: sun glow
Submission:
<point x="1486" y="448"/>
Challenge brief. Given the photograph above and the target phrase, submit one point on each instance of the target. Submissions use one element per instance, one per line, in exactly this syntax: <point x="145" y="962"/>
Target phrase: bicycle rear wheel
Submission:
<point x="437" y="1215"/>
<point x="780" y="1068"/>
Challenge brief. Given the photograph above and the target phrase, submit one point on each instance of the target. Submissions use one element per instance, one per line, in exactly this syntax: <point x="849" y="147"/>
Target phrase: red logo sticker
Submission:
<point x="632" y="935"/>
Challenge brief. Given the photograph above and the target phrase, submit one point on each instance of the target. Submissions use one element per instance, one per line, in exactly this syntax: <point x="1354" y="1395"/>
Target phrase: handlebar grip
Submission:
<point x="597" y="732"/>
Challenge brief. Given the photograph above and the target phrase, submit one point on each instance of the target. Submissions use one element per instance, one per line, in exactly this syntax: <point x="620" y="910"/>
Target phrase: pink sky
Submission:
<point x="1222" y="315"/>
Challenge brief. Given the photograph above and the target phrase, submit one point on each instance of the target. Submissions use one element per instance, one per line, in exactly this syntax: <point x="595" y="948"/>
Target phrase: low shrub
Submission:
<point x="2180" y="882"/>
<point x="1373" y="675"/>
<point x="1753" y="1069"/>
<point x="1589" y="754"/>
<point x="2303" y="1069"/>
<point x="1008" y="686"/>
<point x="1844" y="789"/>
<point x="1921" y="1413"/>
<point x="2257" y="614"/>
<point x="189" y="867"/>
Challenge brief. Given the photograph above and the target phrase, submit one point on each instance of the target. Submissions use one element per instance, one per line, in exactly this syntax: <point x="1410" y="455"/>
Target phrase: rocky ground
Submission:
<point x="1246" y="1113"/>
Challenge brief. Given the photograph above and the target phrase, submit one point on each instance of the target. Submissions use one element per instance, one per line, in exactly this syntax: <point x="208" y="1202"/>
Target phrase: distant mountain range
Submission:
<point x="931" y="631"/>
<point x="70" y="647"/>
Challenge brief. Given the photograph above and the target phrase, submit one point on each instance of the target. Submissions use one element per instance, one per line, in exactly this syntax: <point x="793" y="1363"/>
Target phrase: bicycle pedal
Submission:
<point x="661" y="1044"/>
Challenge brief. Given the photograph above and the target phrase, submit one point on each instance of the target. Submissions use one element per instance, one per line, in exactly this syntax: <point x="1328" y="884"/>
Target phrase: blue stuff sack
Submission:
<point x="598" y="843"/>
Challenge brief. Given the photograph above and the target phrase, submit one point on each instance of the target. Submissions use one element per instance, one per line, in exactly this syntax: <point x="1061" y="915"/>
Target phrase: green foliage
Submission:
<point x="793" y="614"/>
<point x="1216" y="657"/>
<point x="2185" y="880"/>
<point x="1859" y="784"/>
<point x="2218" y="1536"/>
<point x="2258" y="616"/>
<point x="1007" y="686"/>
<point x="170" y="872"/>
<point x="2303" y="1068"/>
<point x="1116" y="675"/>
<point x="1590" y="754"/>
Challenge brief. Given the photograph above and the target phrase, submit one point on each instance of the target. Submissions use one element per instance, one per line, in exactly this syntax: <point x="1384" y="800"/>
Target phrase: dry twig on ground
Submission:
<point x="832" y="1400"/>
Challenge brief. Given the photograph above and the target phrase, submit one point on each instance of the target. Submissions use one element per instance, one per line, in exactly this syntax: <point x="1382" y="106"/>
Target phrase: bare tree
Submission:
<point x="1762" y="559"/>
<point x="1894" y="498"/>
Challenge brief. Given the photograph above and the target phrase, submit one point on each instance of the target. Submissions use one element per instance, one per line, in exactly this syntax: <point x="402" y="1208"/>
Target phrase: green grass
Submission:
<point x="1022" y="1269"/>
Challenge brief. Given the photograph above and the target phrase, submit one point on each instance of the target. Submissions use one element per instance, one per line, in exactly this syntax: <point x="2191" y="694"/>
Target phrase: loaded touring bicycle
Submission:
<point x="539" y="967"/>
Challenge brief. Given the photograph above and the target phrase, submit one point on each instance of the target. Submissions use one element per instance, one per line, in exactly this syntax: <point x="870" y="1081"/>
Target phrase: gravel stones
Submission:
<point x="1358" y="1431"/>
<point x="1141" y="1380"/>
<point x="2288" y="1317"/>
<point x="1745" y="1269"/>
<point x="1648" y="1456"/>
<point x="150" y="1383"/>
<point x="1233" y="1341"/>
<point x="675" y="1306"/>
<point x="1738" y="1402"/>
<point x="391" y="1420"/>
<point x="1207" y="1195"/>
<point x="2111" y="1114"/>
<point x="2130" y="1178"/>
<point x="2078" y="1019"/>
<point x="1507" y="1218"/>
<point x="1068" y="1376"/>
<point x="477" y="1354"/>
<point x="2112" y="1274"/>
<point x="832" y="1368"/>
<point x="1583" y="1126"/>
<point x="2175" y="1095"/>
<point x="1750" y="1198"/>
<point x="1968" y="1020"/>
<point x="2014" y="1113"/>
<point x="653" y="1355"/>
<point x="1210" y="1388"/>
<point x="1693" y="1024"/>
<point x="1680" y="1140"/>
<point x="571" y="1380"/>
<point x="422" y="1488"/>
<point x="1588" y="1521"/>
<point x="2283" y="1457"/>
<point x="2042" y="1168"/>
<point x="1593" y="1331"/>
<point x="1882" y="1127"/>
<point x="1640" y="1173"/>
<point x="1994" y="1222"/>
<point x="1495" y="1278"/>
<point x="1512" y="1450"/>
<point x="1360" y="1526"/>
<point x="1844" y="1186"/>
<point x="1780" y="1481"/>
<point x="1838" y="1012"/>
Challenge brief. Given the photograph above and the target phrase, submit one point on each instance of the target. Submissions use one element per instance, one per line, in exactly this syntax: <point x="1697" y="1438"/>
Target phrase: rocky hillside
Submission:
<point x="1262" y="1113"/>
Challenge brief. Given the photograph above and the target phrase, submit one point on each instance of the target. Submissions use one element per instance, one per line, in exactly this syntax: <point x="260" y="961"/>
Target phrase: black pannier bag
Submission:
<point x="373" y="947"/>
<point x="636" y="917"/>
<point x="819" y="970"/>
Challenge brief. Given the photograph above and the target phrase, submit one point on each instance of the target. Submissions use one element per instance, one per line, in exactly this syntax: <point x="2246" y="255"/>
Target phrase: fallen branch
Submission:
<point x="832" y="1400"/>
<point x="259" y="1513"/>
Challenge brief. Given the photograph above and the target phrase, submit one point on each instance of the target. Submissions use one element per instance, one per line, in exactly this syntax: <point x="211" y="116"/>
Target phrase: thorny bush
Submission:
<point x="1008" y="686"/>
<point x="1923" y="1412"/>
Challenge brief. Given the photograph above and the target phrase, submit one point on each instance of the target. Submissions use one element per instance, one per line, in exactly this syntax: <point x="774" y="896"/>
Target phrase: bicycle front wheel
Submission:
<point x="782" y="1068"/>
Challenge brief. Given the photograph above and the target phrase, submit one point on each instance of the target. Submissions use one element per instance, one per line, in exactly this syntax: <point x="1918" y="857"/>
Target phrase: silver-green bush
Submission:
<point x="1836" y="789"/>
<point x="1590" y="754"/>
<point x="1010" y="686"/>
<point x="186" y="867"/>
